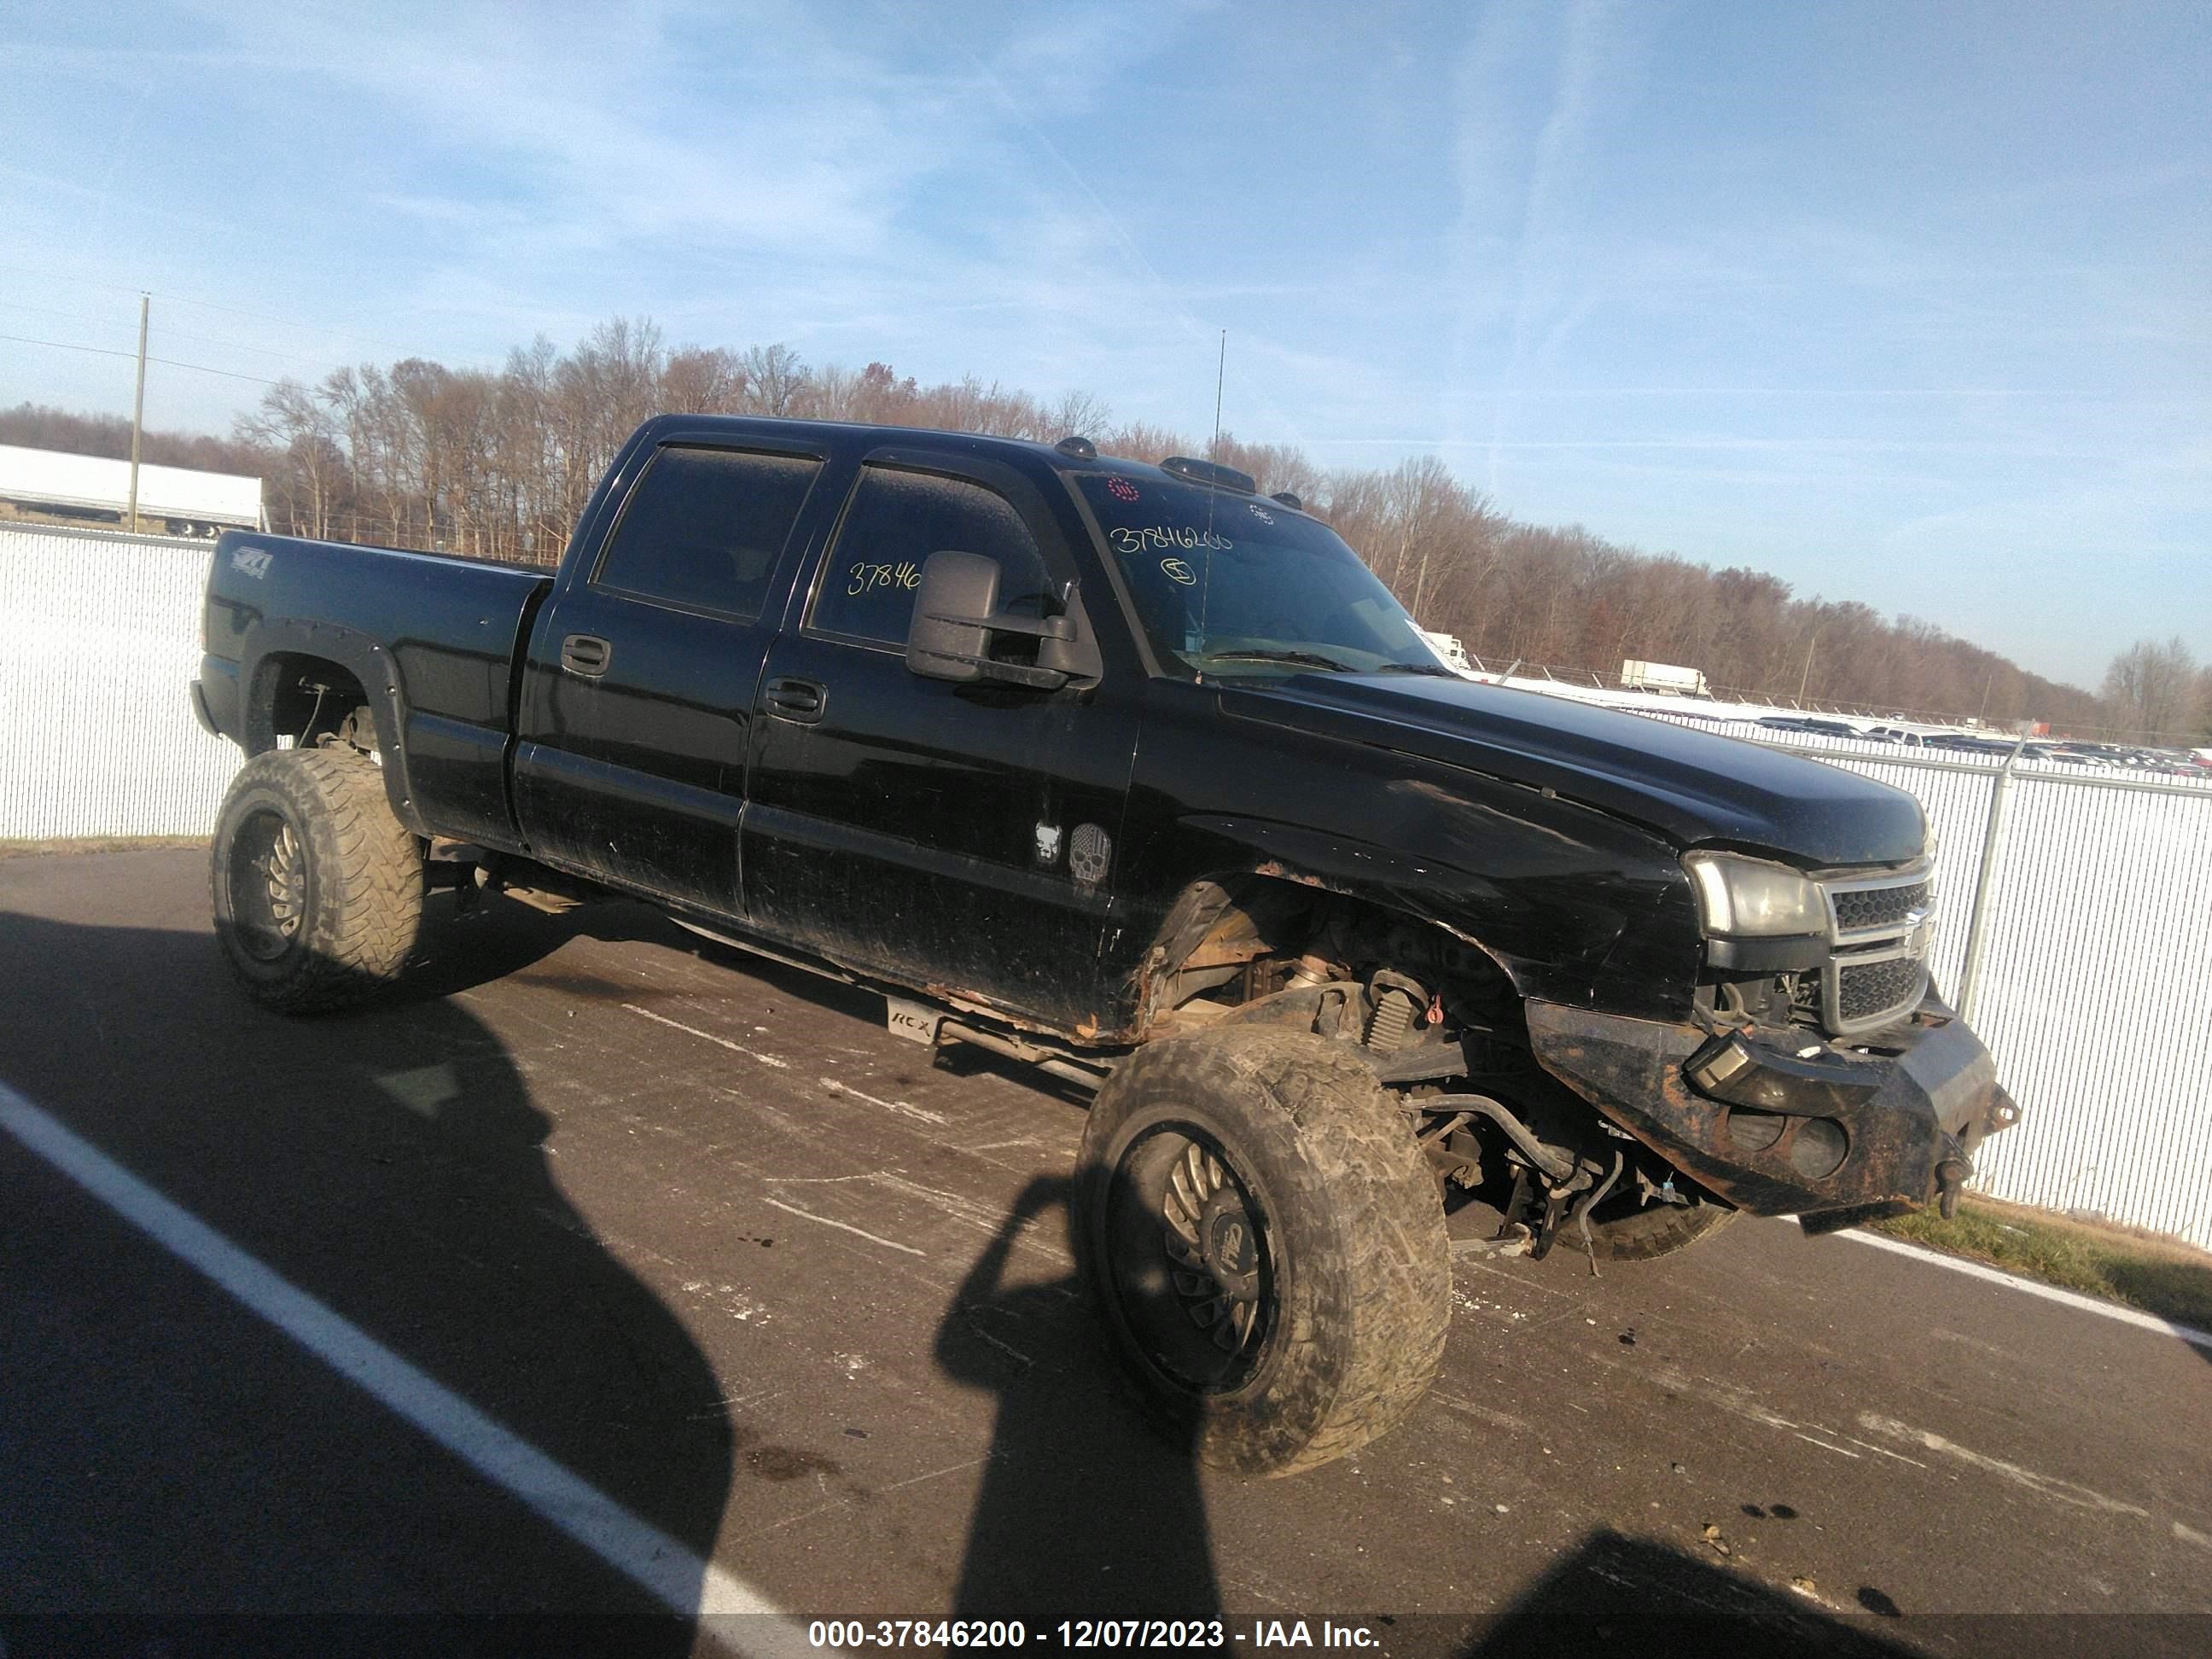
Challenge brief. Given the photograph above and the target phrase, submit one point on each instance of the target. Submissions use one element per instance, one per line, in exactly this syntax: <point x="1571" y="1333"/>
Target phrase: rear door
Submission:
<point x="637" y="701"/>
<point x="961" y="837"/>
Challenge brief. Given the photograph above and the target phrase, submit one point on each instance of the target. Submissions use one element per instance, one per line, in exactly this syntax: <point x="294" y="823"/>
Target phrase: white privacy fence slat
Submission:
<point x="2094" y="985"/>
<point x="2094" y="992"/>
<point x="99" y="642"/>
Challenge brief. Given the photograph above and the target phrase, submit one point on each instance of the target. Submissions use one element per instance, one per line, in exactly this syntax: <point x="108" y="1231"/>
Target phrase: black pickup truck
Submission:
<point x="1139" y="776"/>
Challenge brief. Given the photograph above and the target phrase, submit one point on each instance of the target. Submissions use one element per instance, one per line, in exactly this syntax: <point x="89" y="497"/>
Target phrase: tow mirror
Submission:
<point x="956" y="618"/>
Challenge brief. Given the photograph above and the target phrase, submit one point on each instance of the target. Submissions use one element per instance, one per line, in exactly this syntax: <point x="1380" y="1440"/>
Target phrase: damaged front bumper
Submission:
<point x="1780" y="1123"/>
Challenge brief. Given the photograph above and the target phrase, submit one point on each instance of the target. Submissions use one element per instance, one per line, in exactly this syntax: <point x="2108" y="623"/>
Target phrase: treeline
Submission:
<point x="2159" y="692"/>
<point x="499" y="464"/>
<point x="35" y="426"/>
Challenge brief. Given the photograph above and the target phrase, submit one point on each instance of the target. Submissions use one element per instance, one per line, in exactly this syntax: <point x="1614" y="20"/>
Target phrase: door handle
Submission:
<point x="587" y="654"/>
<point x="797" y="699"/>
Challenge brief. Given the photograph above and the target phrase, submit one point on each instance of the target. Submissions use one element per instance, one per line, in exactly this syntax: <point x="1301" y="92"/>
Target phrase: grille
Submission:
<point x="1875" y="988"/>
<point x="1877" y="907"/>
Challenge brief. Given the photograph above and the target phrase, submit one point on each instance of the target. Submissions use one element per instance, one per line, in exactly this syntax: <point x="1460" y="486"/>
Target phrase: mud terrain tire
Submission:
<point x="1656" y="1230"/>
<point x="1268" y="1245"/>
<point x="318" y="887"/>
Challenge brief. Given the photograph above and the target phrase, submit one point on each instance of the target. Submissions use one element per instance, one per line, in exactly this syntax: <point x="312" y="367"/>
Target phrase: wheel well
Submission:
<point x="1236" y="938"/>
<point x="1445" y="1029"/>
<point x="308" y="699"/>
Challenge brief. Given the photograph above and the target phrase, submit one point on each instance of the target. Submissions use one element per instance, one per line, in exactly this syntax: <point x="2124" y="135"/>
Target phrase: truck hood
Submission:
<point x="1693" y="787"/>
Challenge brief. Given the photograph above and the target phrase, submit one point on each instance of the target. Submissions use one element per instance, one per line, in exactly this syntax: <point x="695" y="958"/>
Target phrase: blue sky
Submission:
<point x="1906" y="303"/>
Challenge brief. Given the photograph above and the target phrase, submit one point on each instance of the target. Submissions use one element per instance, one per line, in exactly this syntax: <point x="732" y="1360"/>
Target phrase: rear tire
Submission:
<point x="1268" y="1245"/>
<point x="316" y="886"/>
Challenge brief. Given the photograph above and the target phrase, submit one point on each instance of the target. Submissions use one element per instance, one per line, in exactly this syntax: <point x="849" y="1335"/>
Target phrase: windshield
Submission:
<point x="1225" y="584"/>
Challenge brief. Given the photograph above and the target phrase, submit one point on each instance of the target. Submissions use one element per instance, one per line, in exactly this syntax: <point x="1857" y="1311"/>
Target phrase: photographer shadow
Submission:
<point x="1616" y="1593"/>
<point x="1086" y="1509"/>
<point x="392" y="1163"/>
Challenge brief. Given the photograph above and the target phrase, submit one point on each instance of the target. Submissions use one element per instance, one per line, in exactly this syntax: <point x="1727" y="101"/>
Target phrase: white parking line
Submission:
<point x="664" y="1566"/>
<point x="2188" y="1333"/>
<point x="843" y="1227"/>
<point x="693" y="1030"/>
<point x="2044" y="1485"/>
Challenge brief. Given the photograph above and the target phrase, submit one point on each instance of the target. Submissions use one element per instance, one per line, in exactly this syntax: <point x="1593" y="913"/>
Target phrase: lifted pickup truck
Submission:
<point x="1135" y="773"/>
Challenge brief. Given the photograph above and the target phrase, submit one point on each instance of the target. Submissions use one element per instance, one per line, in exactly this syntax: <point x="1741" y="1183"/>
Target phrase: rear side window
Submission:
<point x="896" y="521"/>
<point x="704" y="527"/>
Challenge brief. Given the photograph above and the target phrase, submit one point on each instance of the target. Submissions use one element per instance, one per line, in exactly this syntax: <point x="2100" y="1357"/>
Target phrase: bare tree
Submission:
<point x="2152" y="690"/>
<point x="297" y="424"/>
<point x="1079" y="414"/>
<point x="702" y="380"/>
<point x="774" y="379"/>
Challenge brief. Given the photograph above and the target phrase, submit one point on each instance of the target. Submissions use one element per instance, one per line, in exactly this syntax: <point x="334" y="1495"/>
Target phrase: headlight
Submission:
<point x="1741" y="897"/>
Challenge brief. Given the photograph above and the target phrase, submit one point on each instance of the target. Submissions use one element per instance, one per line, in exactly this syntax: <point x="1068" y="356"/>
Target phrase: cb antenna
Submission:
<point x="1220" y="378"/>
<point x="1212" y="489"/>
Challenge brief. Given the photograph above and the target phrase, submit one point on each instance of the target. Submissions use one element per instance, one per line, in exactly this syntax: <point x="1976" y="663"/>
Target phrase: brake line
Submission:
<point x="1581" y="1216"/>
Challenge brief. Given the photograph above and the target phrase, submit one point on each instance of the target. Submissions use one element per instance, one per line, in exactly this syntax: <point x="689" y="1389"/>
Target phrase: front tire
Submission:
<point x="1268" y="1245"/>
<point x="316" y="886"/>
<point x="1620" y="1231"/>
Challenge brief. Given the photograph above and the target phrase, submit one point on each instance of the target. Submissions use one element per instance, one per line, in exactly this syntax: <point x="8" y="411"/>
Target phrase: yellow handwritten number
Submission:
<point x="864" y="576"/>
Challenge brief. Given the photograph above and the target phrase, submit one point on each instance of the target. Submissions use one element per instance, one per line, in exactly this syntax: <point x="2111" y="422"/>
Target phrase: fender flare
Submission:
<point x="374" y="668"/>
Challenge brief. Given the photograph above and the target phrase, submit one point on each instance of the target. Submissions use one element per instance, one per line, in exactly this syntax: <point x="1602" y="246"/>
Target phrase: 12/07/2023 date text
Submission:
<point x="1084" y="1633"/>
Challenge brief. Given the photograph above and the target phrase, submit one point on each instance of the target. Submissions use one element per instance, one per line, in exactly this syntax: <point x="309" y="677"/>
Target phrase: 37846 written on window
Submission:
<point x="705" y="527"/>
<point x="896" y="519"/>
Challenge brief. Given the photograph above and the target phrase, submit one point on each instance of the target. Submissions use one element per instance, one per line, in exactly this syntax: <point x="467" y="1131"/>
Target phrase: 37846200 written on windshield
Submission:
<point x="1227" y="583"/>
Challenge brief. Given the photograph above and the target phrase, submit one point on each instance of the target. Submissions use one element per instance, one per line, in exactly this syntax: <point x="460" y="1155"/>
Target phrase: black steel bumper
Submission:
<point x="1779" y="1123"/>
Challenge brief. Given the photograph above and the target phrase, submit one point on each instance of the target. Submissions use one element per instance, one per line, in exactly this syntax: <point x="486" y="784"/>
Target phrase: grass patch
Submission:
<point x="2155" y="1271"/>
<point x="62" y="846"/>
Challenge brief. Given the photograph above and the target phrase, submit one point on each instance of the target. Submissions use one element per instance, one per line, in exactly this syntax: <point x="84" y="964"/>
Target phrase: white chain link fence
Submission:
<point x="2093" y="973"/>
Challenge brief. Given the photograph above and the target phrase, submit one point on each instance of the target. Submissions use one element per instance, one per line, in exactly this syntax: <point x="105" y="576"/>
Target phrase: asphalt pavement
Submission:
<point x="797" y="1299"/>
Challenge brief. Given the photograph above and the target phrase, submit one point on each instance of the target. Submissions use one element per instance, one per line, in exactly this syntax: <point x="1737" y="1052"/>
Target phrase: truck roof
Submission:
<point x="1072" y="453"/>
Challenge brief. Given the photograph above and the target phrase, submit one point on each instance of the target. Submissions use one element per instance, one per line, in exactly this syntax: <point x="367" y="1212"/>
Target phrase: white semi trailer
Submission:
<point x="1636" y="675"/>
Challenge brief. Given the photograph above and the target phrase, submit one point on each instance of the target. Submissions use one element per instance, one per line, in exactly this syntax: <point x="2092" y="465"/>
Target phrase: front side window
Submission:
<point x="1226" y="583"/>
<point x="896" y="521"/>
<point x="705" y="527"/>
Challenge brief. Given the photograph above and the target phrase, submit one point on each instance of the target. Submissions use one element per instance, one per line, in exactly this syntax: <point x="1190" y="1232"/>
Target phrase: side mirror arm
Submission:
<point x="957" y="616"/>
<point x="1040" y="628"/>
<point x="1010" y="674"/>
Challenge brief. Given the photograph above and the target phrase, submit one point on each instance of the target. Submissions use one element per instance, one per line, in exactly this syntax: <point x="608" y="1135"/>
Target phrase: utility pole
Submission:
<point x="138" y="409"/>
<point x="1808" y="674"/>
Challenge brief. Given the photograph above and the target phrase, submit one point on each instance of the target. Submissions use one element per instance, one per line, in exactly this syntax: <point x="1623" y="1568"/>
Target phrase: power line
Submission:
<point x="235" y="310"/>
<point x="240" y="345"/>
<point x="166" y="363"/>
<point x="172" y="333"/>
<point x="179" y="299"/>
<point x="48" y="310"/>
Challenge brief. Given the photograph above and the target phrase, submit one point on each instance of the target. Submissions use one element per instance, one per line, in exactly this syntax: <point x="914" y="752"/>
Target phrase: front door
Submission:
<point x="960" y="838"/>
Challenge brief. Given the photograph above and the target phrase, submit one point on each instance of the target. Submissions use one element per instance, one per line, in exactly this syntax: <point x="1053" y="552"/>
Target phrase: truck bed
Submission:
<point x="431" y="640"/>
